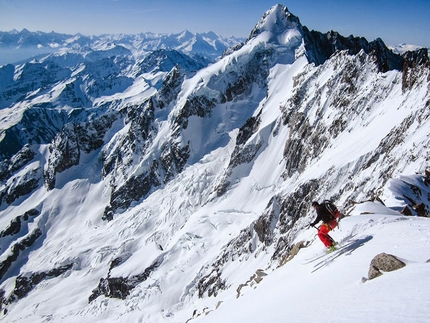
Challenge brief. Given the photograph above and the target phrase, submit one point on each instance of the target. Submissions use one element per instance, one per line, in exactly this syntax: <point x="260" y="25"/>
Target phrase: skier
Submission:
<point x="329" y="223"/>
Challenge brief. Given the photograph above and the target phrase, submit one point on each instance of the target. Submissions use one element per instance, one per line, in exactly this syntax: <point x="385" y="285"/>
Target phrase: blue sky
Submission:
<point x="395" y="21"/>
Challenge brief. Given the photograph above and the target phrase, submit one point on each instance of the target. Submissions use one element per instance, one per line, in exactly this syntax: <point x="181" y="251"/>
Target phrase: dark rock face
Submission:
<point x="63" y="153"/>
<point x="24" y="284"/>
<point x="320" y="47"/>
<point x="173" y="159"/>
<point x="245" y="153"/>
<point x="120" y="287"/>
<point x="17" y="248"/>
<point x="90" y="133"/>
<point x="414" y="61"/>
<point x="384" y="262"/>
<point x="171" y="88"/>
<point x="421" y="210"/>
<point x="40" y="124"/>
<point x="416" y="58"/>
<point x="247" y="130"/>
<point x="14" y="188"/>
<point x="134" y="189"/>
<point x="136" y="140"/>
<point x="16" y="162"/>
<point x="28" y="184"/>
<point x="211" y="284"/>
<point x="256" y="70"/>
<point x="406" y="211"/>
<point x="242" y="153"/>
<point x="15" y="225"/>
<point x="266" y="223"/>
<point x="199" y="106"/>
<point x="65" y="150"/>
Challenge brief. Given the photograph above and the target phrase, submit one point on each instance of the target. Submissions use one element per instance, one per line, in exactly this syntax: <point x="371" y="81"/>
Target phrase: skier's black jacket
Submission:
<point x="322" y="215"/>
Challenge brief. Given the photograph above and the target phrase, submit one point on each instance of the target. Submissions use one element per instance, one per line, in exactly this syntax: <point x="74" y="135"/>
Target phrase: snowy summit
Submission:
<point x="277" y="25"/>
<point x="170" y="178"/>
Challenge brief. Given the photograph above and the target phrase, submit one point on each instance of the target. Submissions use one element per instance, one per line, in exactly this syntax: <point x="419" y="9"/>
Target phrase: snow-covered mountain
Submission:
<point x="403" y="48"/>
<point x="19" y="45"/>
<point x="163" y="188"/>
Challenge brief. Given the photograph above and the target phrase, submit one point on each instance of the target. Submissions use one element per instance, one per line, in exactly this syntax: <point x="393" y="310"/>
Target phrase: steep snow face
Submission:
<point x="174" y="197"/>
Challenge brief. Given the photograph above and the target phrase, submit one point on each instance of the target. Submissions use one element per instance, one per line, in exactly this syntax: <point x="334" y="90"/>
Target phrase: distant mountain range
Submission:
<point x="19" y="45"/>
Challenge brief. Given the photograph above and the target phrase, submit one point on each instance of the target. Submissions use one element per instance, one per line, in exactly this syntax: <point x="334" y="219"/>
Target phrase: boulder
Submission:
<point x="406" y="211"/>
<point x="420" y="209"/>
<point x="384" y="262"/>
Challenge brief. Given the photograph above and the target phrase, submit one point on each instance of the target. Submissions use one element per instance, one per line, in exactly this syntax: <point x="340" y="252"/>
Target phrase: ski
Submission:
<point x="326" y="252"/>
<point x="331" y="256"/>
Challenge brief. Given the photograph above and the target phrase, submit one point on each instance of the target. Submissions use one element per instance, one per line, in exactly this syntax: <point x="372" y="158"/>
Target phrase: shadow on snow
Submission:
<point x="344" y="248"/>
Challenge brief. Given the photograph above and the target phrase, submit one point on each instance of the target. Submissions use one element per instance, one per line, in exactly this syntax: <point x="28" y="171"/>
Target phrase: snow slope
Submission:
<point x="331" y="289"/>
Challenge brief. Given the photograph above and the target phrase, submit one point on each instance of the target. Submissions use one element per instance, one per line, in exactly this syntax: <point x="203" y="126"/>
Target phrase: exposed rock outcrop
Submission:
<point x="421" y="210"/>
<point x="120" y="287"/>
<point x="243" y="152"/>
<point x="384" y="263"/>
<point x="17" y="249"/>
<point x="24" y="284"/>
<point x="254" y="279"/>
<point x="320" y="47"/>
<point x="16" y="162"/>
<point x="67" y="147"/>
<point x="16" y="224"/>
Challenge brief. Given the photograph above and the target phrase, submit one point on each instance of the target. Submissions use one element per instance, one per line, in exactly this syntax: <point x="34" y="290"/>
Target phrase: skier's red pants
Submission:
<point x="324" y="230"/>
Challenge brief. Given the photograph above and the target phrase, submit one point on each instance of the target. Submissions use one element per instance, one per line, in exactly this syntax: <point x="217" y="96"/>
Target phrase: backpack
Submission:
<point x="332" y="209"/>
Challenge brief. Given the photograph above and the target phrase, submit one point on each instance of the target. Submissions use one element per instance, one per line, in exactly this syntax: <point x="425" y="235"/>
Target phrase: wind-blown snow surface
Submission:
<point x="185" y="225"/>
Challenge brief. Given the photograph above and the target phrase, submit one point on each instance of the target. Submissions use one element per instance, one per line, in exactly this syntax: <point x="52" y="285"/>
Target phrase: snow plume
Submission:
<point x="161" y="189"/>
